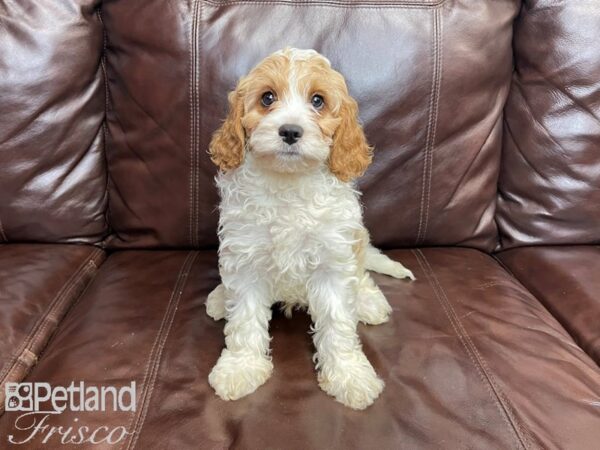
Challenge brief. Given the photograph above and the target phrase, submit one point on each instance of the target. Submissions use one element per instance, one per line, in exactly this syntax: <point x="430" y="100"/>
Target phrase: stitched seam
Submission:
<point x="424" y="4"/>
<point x="103" y="62"/>
<point x="192" y="99"/>
<point x="86" y="266"/>
<point x="425" y="156"/>
<point x="199" y="114"/>
<point x="2" y="233"/>
<point x="152" y="367"/>
<point x="98" y="261"/>
<point x="431" y="128"/>
<point x="19" y="362"/>
<point x="35" y="329"/>
<point x="435" y="116"/>
<point x="483" y="370"/>
<point x="104" y="121"/>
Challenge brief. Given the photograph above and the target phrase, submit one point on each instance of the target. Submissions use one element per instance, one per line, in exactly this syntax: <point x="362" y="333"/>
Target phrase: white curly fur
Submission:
<point x="296" y="238"/>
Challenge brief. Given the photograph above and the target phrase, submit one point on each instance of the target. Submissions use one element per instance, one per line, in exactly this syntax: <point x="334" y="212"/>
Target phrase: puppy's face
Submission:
<point x="294" y="113"/>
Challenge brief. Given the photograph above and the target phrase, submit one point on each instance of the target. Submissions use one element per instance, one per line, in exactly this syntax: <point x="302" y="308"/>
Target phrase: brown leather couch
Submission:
<point x="485" y="116"/>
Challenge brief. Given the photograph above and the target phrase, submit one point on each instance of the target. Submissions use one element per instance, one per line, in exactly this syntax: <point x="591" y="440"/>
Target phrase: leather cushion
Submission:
<point x="470" y="360"/>
<point x="52" y="96"/>
<point x="410" y="64"/>
<point x="549" y="188"/>
<point x="566" y="280"/>
<point x="38" y="284"/>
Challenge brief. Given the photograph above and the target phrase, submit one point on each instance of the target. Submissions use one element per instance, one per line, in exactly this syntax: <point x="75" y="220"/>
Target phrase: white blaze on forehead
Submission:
<point x="297" y="99"/>
<point x="300" y="54"/>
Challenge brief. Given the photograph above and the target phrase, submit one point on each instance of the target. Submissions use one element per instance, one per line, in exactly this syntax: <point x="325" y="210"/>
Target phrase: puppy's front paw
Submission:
<point x="399" y="271"/>
<point x="353" y="382"/>
<point x="237" y="375"/>
<point x="215" y="303"/>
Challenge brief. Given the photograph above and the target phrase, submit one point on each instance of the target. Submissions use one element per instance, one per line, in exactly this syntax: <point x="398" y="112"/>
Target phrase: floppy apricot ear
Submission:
<point x="350" y="153"/>
<point x="227" y="145"/>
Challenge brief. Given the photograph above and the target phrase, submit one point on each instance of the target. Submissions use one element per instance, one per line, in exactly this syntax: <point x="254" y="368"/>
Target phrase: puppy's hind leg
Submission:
<point x="371" y="305"/>
<point x="215" y="303"/>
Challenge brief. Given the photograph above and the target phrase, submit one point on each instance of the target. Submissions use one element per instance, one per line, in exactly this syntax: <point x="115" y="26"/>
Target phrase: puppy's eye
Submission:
<point x="267" y="99"/>
<point x="317" y="101"/>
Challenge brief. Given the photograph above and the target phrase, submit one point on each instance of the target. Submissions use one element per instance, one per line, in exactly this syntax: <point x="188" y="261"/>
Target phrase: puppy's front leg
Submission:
<point x="344" y="371"/>
<point x="245" y="363"/>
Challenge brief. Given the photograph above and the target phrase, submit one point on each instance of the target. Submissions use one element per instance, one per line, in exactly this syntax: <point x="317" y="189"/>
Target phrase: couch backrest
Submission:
<point x="549" y="190"/>
<point x="430" y="76"/>
<point x="52" y="103"/>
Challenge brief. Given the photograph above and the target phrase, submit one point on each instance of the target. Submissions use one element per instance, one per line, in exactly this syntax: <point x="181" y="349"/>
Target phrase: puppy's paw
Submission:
<point x="399" y="271"/>
<point x="237" y="375"/>
<point x="372" y="307"/>
<point x="352" y="382"/>
<point x="215" y="303"/>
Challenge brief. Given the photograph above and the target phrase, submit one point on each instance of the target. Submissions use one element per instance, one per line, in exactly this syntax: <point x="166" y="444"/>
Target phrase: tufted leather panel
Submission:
<point x="52" y="101"/>
<point x="550" y="182"/>
<point x="412" y="65"/>
<point x="470" y="360"/>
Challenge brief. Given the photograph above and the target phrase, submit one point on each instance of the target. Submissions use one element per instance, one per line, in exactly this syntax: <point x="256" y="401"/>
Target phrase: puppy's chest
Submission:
<point x="288" y="235"/>
<point x="294" y="238"/>
<point x="296" y="244"/>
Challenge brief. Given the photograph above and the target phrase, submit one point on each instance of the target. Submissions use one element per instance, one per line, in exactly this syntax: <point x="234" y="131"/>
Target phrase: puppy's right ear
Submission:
<point x="227" y="145"/>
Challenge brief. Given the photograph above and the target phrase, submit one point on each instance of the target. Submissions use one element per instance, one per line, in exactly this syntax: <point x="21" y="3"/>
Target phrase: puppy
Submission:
<point x="291" y="227"/>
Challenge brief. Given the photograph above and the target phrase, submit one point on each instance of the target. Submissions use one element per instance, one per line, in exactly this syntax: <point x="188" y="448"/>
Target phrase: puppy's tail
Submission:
<point x="376" y="261"/>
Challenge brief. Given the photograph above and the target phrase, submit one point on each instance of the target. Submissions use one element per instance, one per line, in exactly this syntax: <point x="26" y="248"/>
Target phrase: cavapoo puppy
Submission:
<point x="291" y="228"/>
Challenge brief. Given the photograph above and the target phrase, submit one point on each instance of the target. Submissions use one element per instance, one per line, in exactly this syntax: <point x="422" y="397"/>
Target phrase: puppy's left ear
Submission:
<point x="227" y="145"/>
<point x="350" y="153"/>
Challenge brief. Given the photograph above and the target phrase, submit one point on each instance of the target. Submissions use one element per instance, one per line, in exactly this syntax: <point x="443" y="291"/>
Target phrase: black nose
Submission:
<point x="290" y="133"/>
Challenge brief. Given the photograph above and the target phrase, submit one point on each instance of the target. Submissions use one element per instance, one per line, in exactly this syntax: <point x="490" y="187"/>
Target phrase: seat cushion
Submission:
<point x="409" y="63"/>
<point x="470" y="360"/>
<point x="38" y="284"/>
<point x="567" y="281"/>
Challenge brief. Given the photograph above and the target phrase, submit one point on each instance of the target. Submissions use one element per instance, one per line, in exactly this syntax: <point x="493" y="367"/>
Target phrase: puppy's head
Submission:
<point x="294" y="113"/>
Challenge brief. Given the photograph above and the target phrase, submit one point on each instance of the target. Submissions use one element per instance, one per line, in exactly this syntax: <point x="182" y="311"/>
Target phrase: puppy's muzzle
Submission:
<point x="290" y="133"/>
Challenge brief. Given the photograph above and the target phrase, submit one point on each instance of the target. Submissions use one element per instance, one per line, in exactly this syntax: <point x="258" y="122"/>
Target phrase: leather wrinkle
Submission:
<point x="149" y="116"/>
<point x="133" y="151"/>
<point x="576" y="101"/>
<point x="538" y="121"/>
<point x="458" y="184"/>
<point x="483" y="370"/>
<point x="125" y="202"/>
<point x="522" y="153"/>
<point x="2" y="233"/>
